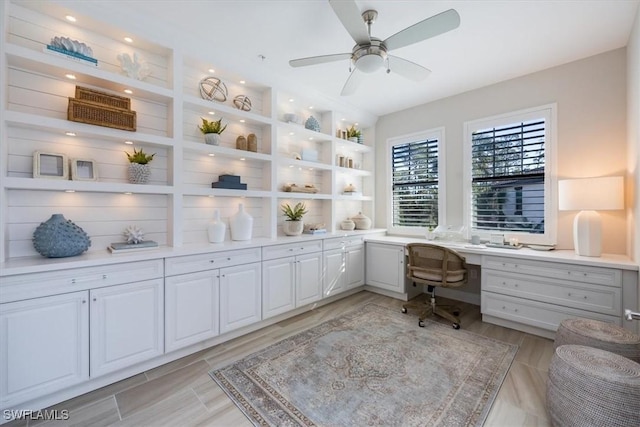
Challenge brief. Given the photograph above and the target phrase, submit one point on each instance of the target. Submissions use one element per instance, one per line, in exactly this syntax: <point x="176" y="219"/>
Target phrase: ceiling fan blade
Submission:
<point x="408" y="69"/>
<point x="430" y="27"/>
<point x="314" y="60"/>
<point x="352" y="83"/>
<point x="351" y="18"/>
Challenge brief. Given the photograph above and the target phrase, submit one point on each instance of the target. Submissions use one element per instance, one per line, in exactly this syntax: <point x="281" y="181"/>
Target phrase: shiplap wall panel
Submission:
<point x="201" y="170"/>
<point x="102" y="216"/>
<point x="302" y="176"/>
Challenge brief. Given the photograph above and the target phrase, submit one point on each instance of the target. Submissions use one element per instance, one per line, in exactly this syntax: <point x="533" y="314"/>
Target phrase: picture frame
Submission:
<point x="50" y="165"/>
<point x="84" y="170"/>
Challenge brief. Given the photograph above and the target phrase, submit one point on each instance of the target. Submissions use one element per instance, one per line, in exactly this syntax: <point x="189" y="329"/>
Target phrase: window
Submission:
<point x="415" y="182"/>
<point x="509" y="172"/>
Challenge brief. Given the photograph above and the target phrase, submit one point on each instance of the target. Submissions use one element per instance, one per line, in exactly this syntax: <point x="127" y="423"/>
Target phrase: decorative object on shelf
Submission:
<point x="360" y="138"/>
<point x="296" y="156"/>
<point x="348" y="225"/>
<point x="241" y="143"/>
<point x="212" y="130"/>
<point x="213" y="89"/>
<point x="72" y="49"/>
<point x="362" y="221"/>
<point x="309" y="155"/>
<point x="293" y="118"/>
<point x="84" y="170"/>
<point x="241" y="224"/>
<point x="216" y="228"/>
<point x="293" y="226"/>
<point x="430" y="235"/>
<point x="136" y="67"/>
<point x="122" y="247"/>
<point x="133" y="234"/>
<point x="102" y="109"/>
<point x="293" y="188"/>
<point x="312" y="124"/>
<point x="252" y="142"/>
<point x="58" y="237"/>
<point x="353" y="134"/>
<point x="139" y="170"/>
<point x="50" y="165"/>
<point x="242" y="102"/>
<point x="350" y="188"/>
<point x="230" y="182"/>
<point x="317" y="228"/>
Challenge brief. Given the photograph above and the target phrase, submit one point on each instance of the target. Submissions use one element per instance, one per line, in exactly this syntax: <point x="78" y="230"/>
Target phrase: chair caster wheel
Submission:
<point x="404" y="310"/>
<point x="456" y="326"/>
<point x="456" y="313"/>
<point x="421" y="323"/>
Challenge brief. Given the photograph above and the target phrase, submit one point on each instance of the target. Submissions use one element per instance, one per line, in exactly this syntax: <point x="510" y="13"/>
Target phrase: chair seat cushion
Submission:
<point x="437" y="277"/>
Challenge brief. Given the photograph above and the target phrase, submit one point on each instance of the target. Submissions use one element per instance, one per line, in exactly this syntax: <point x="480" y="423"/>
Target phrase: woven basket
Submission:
<point x="592" y="387"/>
<point x="103" y="98"/>
<point x="101" y="115"/>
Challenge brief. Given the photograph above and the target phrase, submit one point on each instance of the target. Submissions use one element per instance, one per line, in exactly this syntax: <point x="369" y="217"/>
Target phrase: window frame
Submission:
<point x="435" y="133"/>
<point x="549" y="113"/>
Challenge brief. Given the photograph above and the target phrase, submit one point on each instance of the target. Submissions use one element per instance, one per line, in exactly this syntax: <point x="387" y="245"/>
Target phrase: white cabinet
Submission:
<point x="127" y="325"/>
<point x="334" y="272"/>
<point x="355" y="266"/>
<point x="240" y="296"/>
<point x="45" y="346"/>
<point x="343" y="264"/>
<point x="385" y="266"/>
<point x="191" y="308"/>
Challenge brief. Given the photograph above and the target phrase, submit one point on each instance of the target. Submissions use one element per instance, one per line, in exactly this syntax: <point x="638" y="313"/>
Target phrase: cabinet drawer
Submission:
<point x="535" y="313"/>
<point x="343" y="242"/>
<point x="280" y="251"/>
<point x="596" y="275"/>
<point x="585" y="296"/>
<point x="24" y="286"/>
<point x="210" y="261"/>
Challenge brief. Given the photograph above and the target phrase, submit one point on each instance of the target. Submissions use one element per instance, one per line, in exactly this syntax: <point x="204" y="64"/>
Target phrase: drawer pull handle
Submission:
<point x="290" y="249"/>
<point x="515" y="285"/>
<point x="515" y="310"/>
<point x="212" y="261"/>
<point x="504" y="308"/>
<point x="229" y="259"/>
<point x="94" y="299"/>
<point x="84" y="301"/>
<point x="585" y="297"/>
<point x="569" y="293"/>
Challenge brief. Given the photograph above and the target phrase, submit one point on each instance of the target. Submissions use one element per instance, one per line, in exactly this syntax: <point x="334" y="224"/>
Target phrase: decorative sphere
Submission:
<point x="242" y="102"/>
<point x="212" y="89"/>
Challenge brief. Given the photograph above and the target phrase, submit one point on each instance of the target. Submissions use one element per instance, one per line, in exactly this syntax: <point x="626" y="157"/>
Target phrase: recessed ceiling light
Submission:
<point x="70" y="18"/>
<point x="128" y="39"/>
<point x="129" y="142"/>
<point x="310" y="107"/>
<point x="310" y="138"/>
<point x="70" y="133"/>
<point x="291" y="99"/>
<point x="292" y="133"/>
<point x="242" y="158"/>
<point x="128" y="193"/>
<point x="211" y="70"/>
<point x="290" y="166"/>
<point x="242" y="82"/>
<point x="69" y="191"/>
<point x="128" y="91"/>
<point x="343" y="119"/>
<point x="211" y="155"/>
<point x="213" y="113"/>
<point x="70" y="76"/>
<point x="241" y="120"/>
<point x="356" y="124"/>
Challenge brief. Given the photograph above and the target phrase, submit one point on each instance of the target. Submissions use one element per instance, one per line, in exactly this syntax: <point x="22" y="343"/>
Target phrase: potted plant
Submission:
<point x="212" y="130"/>
<point x="139" y="170"/>
<point x="293" y="225"/>
<point x="353" y="134"/>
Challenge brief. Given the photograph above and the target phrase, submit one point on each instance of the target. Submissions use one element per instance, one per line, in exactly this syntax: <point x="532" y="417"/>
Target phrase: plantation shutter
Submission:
<point x="415" y="184"/>
<point x="508" y="175"/>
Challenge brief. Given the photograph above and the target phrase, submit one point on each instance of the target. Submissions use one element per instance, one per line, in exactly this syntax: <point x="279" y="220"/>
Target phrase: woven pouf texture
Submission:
<point x="592" y="387"/>
<point x="602" y="335"/>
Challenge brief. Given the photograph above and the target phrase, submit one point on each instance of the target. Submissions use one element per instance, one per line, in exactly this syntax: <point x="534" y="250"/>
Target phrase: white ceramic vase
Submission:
<point x="241" y="224"/>
<point x="216" y="228"/>
<point x="293" y="228"/>
<point x="212" y="138"/>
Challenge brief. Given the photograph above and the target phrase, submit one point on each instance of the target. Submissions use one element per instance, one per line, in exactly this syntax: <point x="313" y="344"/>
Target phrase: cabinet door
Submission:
<point x="334" y="272"/>
<point x="191" y="308"/>
<point x="355" y="267"/>
<point x="385" y="266"/>
<point x="44" y="346"/>
<point x="278" y="291"/>
<point x="240" y="296"/>
<point x="126" y="325"/>
<point x="308" y="278"/>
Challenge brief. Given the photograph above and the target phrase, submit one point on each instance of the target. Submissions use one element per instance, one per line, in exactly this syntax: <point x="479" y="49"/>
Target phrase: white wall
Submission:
<point x="592" y="133"/>
<point x="633" y="138"/>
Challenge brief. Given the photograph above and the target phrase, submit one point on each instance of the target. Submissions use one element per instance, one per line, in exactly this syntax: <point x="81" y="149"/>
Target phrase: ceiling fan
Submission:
<point x="370" y="53"/>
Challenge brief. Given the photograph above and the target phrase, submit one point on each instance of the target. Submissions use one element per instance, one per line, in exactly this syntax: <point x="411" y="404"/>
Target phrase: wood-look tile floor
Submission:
<point x="181" y="393"/>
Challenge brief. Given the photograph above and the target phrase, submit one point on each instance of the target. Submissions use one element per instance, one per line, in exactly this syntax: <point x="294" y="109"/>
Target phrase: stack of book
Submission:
<point x="316" y="231"/>
<point x="123" y="247"/>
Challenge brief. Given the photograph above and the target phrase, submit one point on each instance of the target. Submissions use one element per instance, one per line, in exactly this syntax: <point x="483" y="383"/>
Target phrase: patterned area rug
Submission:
<point x="371" y="366"/>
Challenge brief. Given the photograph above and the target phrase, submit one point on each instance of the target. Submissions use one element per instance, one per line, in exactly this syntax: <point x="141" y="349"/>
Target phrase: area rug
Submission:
<point x="370" y="367"/>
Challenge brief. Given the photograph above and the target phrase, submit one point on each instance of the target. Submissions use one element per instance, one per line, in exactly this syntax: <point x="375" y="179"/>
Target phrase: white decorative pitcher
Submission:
<point x="241" y="224"/>
<point x="216" y="228"/>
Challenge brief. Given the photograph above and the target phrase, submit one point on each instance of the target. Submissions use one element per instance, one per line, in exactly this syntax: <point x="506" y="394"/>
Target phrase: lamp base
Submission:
<point x="587" y="234"/>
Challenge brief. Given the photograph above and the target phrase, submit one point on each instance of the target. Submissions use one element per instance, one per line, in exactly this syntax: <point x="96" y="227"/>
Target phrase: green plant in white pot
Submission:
<point x="139" y="170"/>
<point x="293" y="225"/>
<point x="212" y="130"/>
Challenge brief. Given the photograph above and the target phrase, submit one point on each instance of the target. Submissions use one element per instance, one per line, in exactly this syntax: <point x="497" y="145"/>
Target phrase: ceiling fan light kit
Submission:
<point x="371" y="53"/>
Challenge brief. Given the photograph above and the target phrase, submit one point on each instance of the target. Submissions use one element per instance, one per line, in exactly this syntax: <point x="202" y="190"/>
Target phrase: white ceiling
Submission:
<point x="496" y="40"/>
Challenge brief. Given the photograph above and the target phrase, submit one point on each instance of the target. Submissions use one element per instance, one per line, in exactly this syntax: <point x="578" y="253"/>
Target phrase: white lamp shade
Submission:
<point x="605" y="193"/>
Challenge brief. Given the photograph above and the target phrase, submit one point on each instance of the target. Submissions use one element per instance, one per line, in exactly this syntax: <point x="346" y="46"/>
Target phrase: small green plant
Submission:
<point x="295" y="213"/>
<point x="212" y="126"/>
<point x="352" y="132"/>
<point x="139" y="156"/>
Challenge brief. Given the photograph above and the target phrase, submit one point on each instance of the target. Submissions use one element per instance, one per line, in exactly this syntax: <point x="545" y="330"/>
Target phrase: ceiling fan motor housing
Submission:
<point x="369" y="58"/>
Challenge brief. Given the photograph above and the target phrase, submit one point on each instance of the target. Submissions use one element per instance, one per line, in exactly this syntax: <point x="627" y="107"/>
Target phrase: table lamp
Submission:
<point x="589" y="195"/>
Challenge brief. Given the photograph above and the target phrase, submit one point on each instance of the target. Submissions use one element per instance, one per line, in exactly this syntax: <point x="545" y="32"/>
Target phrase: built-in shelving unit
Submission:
<point x="178" y="203"/>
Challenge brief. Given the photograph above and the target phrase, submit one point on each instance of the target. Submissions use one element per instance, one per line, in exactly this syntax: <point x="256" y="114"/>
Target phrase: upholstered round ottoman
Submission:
<point x="592" y="387"/>
<point x="602" y="335"/>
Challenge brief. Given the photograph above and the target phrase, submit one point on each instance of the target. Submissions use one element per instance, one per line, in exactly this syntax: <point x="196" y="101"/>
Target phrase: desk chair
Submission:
<point x="434" y="265"/>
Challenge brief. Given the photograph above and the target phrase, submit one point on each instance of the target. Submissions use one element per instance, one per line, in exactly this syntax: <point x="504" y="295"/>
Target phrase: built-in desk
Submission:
<point x="530" y="290"/>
